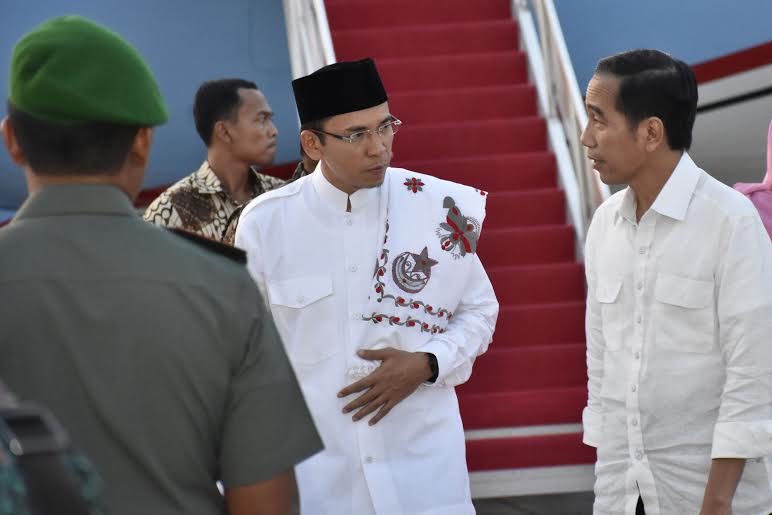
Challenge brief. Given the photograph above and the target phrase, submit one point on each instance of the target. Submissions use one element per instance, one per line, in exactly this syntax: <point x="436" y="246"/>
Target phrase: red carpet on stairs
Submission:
<point x="458" y="81"/>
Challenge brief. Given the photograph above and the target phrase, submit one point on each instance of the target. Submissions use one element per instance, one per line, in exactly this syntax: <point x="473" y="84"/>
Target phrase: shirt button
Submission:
<point x="639" y="285"/>
<point x="638" y="319"/>
<point x="633" y="388"/>
<point x="353" y="268"/>
<point x="369" y="459"/>
<point x="638" y="455"/>
<point x="635" y="422"/>
<point x="637" y="355"/>
<point x="349" y="221"/>
<point x="301" y="299"/>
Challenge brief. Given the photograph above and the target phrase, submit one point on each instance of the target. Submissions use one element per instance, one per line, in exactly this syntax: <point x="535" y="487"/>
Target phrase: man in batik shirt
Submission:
<point x="235" y="122"/>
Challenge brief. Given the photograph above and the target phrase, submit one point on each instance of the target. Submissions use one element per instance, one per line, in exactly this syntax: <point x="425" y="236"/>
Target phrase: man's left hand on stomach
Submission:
<point x="399" y="375"/>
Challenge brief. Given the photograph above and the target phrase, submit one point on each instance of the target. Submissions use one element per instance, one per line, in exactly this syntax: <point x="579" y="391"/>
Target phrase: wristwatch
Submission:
<point x="434" y="367"/>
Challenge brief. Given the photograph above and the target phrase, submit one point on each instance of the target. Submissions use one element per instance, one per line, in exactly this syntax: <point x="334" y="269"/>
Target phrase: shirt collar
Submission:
<point x="675" y="196"/>
<point x="206" y="182"/>
<point x="627" y="206"/>
<point x="337" y="199"/>
<point x="76" y="199"/>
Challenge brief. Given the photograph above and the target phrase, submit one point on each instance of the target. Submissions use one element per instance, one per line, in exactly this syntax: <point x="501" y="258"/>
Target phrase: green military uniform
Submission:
<point x="156" y="353"/>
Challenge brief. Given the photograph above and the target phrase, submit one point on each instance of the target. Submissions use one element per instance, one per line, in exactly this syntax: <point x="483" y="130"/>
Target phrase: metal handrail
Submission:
<point x="562" y="105"/>
<point x="308" y="36"/>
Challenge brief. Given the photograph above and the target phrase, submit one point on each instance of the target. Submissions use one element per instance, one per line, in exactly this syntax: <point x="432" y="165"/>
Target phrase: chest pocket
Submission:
<point x="684" y="315"/>
<point x="303" y="308"/>
<point x="607" y="293"/>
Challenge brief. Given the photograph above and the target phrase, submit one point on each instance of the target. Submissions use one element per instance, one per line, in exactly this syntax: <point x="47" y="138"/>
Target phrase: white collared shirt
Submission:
<point x="679" y="347"/>
<point x="314" y="263"/>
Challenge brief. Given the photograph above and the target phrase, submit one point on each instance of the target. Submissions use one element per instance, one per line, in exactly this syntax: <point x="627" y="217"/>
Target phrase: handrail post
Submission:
<point x="563" y="106"/>
<point x="308" y="36"/>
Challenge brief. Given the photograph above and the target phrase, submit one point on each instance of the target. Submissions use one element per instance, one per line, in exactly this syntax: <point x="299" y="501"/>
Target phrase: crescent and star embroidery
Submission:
<point x="411" y="272"/>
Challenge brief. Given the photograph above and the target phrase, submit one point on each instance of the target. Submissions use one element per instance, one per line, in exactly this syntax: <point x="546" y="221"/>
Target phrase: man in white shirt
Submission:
<point x="679" y="309"/>
<point x="373" y="279"/>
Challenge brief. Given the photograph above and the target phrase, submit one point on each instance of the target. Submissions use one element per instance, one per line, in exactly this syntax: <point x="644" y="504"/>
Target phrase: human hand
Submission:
<point x="400" y="374"/>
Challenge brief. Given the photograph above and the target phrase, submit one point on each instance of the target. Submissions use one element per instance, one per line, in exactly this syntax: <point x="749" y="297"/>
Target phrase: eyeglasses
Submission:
<point x="387" y="130"/>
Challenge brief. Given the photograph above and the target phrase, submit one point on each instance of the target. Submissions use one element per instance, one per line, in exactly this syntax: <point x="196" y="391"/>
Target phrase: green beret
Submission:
<point x="70" y="69"/>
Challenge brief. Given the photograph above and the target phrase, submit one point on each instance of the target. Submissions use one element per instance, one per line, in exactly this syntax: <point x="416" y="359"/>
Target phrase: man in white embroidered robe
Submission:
<point x="380" y="322"/>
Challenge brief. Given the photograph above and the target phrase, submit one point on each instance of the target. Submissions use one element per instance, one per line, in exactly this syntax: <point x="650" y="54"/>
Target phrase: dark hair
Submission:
<point x="652" y="83"/>
<point x="315" y="125"/>
<point x="217" y="100"/>
<point x="74" y="148"/>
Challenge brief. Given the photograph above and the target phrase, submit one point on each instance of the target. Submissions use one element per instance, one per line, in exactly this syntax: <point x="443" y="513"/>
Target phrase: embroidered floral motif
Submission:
<point x="424" y="327"/>
<point x="415" y="184"/>
<point x="411" y="272"/>
<point x="482" y="192"/>
<point x="459" y="233"/>
<point x="380" y="289"/>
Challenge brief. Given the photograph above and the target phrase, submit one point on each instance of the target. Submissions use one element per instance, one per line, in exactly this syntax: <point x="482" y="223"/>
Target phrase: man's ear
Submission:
<point x="11" y="143"/>
<point x="139" y="153"/>
<point x="311" y="144"/>
<point x="653" y="131"/>
<point x="220" y="131"/>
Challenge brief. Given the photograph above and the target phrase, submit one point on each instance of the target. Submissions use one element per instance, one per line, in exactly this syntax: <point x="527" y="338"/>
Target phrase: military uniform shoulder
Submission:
<point x="232" y="253"/>
<point x="286" y="191"/>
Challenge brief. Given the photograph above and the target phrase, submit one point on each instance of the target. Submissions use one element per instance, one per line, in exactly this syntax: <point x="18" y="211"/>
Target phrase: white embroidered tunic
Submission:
<point x="315" y="264"/>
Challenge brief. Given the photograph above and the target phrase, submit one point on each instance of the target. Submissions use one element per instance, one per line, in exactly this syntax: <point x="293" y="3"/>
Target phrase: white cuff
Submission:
<point x="593" y="427"/>
<point x="742" y="439"/>
<point x="444" y="357"/>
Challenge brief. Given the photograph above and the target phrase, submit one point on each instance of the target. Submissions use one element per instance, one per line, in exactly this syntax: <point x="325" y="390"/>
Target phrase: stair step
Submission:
<point x="527" y="245"/>
<point x="528" y="368"/>
<point x="425" y="40"/>
<point x="540" y="324"/>
<point x="528" y="451"/>
<point x="360" y="14"/>
<point x="521" y="408"/>
<point x="492" y="172"/>
<point x="525" y="207"/>
<point x="538" y="283"/>
<point x="474" y="138"/>
<point x="461" y="105"/>
<point x="453" y="71"/>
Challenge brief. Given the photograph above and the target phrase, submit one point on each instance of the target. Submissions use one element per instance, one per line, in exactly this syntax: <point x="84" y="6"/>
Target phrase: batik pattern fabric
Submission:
<point x="199" y="204"/>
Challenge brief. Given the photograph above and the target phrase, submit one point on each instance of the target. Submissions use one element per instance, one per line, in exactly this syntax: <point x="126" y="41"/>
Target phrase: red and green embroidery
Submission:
<point x="458" y="233"/>
<point x="399" y="301"/>
<point x="378" y="318"/>
<point x="415" y="184"/>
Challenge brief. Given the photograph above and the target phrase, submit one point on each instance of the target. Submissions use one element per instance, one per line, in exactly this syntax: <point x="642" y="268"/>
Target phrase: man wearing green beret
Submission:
<point x="154" y="351"/>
